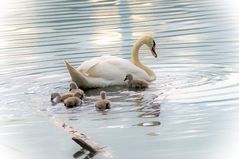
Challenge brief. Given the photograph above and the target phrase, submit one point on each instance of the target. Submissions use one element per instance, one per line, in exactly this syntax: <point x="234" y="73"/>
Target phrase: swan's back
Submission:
<point x="87" y="65"/>
<point x="111" y="68"/>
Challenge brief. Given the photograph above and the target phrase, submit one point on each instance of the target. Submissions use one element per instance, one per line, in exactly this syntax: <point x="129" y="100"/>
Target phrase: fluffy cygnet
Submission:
<point x="135" y="83"/>
<point x="74" y="89"/>
<point x="73" y="101"/>
<point x="60" y="98"/>
<point x="103" y="103"/>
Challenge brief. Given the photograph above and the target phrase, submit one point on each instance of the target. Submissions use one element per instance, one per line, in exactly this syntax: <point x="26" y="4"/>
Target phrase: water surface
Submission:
<point x="190" y="111"/>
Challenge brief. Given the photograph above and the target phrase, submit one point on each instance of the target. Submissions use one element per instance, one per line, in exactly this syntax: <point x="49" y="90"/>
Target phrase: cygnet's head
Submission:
<point x="54" y="95"/>
<point x="103" y="94"/>
<point x="149" y="41"/>
<point x="73" y="85"/>
<point x="128" y="77"/>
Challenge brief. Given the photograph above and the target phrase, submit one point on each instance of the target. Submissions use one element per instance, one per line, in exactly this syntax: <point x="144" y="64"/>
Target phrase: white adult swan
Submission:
<point x="111" y="70"/>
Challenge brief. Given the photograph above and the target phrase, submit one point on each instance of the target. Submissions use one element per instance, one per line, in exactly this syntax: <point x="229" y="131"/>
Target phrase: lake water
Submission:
<point x="194" y="101"/>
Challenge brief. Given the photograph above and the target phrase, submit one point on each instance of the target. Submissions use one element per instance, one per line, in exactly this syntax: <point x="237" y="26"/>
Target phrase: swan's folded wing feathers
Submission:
<point x="85" y="66"/>
<point x="109" y="68"/>
<point x="90" y="70"/>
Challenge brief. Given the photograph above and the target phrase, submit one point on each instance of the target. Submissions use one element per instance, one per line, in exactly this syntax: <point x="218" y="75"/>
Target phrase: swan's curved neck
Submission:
<point x="135" y="60"/>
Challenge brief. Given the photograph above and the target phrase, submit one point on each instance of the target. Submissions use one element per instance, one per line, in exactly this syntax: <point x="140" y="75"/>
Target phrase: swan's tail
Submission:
<point x="76" y="76"/>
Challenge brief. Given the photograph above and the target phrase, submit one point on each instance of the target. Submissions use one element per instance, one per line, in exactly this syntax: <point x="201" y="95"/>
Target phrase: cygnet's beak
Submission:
<point x="125" y="79"/>
<point x="70" y="89"/>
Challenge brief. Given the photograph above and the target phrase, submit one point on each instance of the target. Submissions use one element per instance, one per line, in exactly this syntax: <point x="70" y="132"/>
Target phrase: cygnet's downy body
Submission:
<point x="103" y="103"/>
<point x="73" y="101"/>
<point x="135" y="83"/>
<point x="58" y="98"/>
<point x="74" y="89"/>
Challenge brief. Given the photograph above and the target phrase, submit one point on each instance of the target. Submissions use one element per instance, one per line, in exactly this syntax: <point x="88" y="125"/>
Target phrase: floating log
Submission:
<point x="83" y="140"/>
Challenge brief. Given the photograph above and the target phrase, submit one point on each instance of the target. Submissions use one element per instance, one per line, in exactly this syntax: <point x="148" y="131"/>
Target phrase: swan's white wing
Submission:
<point x="86" y="65"/>
<point x="111" y="68"/>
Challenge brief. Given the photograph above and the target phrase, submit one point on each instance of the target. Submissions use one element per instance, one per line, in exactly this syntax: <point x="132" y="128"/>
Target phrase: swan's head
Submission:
<point x="103" y="94"/>
<point x="128" y="77"/>
<point x="149" y="41"/>
<point x="73" y="85"/>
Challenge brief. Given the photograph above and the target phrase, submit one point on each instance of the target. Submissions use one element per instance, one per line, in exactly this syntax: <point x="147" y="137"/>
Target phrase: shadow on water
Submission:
<point x="84" y="154"/>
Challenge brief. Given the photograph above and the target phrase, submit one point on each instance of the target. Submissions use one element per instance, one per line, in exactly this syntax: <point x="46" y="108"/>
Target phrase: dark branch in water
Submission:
<point x="84" y="145"/>
<point x="84" y="141"/>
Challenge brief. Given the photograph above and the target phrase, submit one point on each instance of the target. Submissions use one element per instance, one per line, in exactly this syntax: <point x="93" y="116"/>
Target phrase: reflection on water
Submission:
<point x="82" y="152"/>
<point x="191" y="110"/>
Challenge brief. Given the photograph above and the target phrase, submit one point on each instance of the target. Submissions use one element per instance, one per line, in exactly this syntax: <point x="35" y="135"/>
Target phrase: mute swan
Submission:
<point x="73" y="101"/>
<point x="60" y="98"/>
<point x="102" y="103"/>
<point x="135" y="83"/>
<point x="110" y="70"/>
<point x="74" y="89"/>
